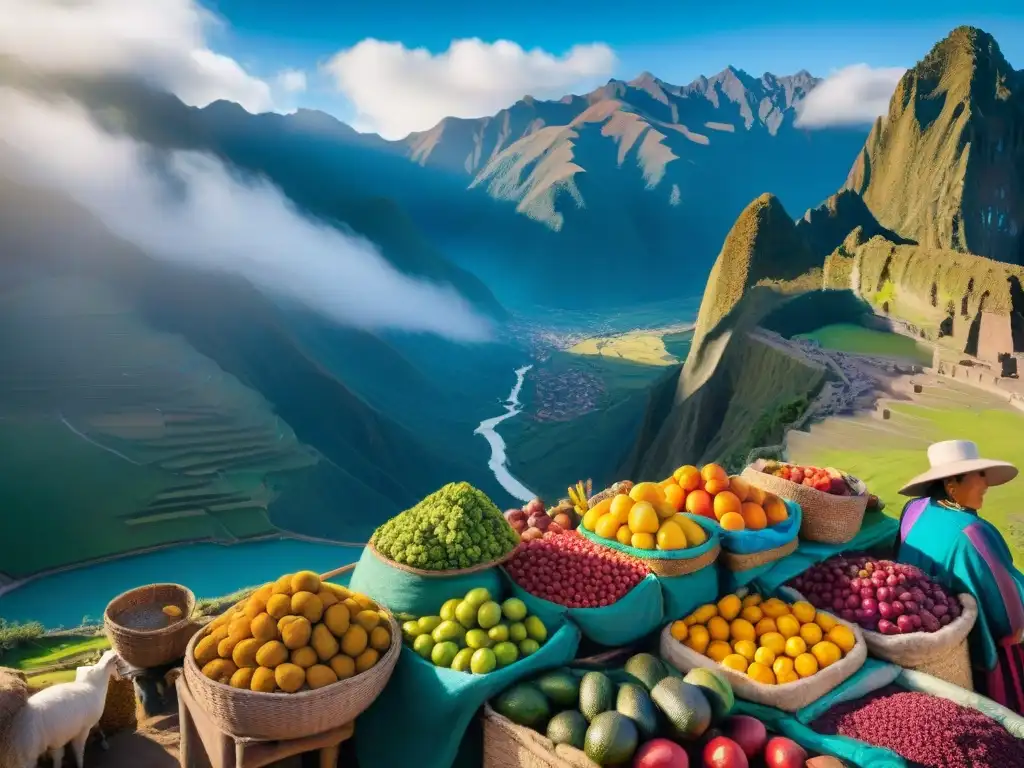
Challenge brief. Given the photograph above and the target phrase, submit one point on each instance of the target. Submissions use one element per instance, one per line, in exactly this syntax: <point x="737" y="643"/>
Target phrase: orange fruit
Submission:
<point x="761" y="674"/>
<point x="726" y="502"/>
<point x="763" y="656"/>
<point x="713" y="472"/>
<point x="607" y="526"/>
<point x="642" y="541"/>
<point x="788" y="626"/>
<point x="825" y="620"/>
<point x="680" y="631"/>
<point x="755" y="494"/>
<point x="745" y="648"/>
<point x="595" y="513"/>
<point x="775" y="643"/>
<point x="732" y="521"/>
<point x="804" y="611"/>
<point x="741" y="629"/>
<point x="805" y="665"/>
<point x="827" y="653"/>
<point x="647" y="492"/>
<point x="782" y="665"/>
<point x="795" y="646"/>
<point x="842" y="637"/>
<point x="775" y="510"/>
<point x="735" y="661"/>
<point x="667" y="482"/>
<point x="752" y="614"/>
<point x="698" y="502"/>
<point x="718" y="650"/>
<point x="740" y="487"/>
<point x="624" y="535"/>
<point x="642" y="518"/>
<point x="664" y="510"/>
<point x="675" y="496"/>
<point x="764" y="626"/>
<point x="753" y="516"/>
<point x="716" y="485"/>
<point x="811" y="634"/>
<point x="620" y="506"/>
<point x="688" y="477"/>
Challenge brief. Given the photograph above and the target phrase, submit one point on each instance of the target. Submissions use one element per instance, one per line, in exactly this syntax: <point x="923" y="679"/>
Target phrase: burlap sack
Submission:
<point x="507" y="745"/>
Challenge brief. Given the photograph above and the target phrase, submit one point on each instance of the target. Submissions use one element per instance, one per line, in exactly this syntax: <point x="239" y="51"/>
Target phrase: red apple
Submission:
<point x="563" y="520"/>
<point x="721" y="752"/>
<point x="781" y="752"/>
<point x="534" y="506"/>
<point x="661" y="753"/>
<point x="748" y="732"/>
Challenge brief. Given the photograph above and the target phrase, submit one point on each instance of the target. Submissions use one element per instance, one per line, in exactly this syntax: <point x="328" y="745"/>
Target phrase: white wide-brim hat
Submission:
<point x="958" y="457"/>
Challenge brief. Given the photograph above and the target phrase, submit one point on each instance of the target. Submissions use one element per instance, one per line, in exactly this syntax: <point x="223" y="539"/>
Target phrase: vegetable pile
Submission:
<point x="770" y="641"/>
<point x="826" y="480"/>
<point x="573" y="571"/>
<point x="455" y="527"/>
<point x="928" y="730"/>
<point x="533" y="521"/>
<point x="880" y="595"/>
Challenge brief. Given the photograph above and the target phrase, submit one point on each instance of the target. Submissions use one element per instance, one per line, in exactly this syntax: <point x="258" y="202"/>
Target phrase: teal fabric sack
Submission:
<point x="404" y="592"/>
<point x="747" y="542"/>
<point x="423" y="714"/>
<point x="636" y="615"/>
<point x="682" y="595"/>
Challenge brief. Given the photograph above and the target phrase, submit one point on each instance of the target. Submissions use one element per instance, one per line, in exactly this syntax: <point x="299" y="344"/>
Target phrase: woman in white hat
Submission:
<point x="942" y="534"/>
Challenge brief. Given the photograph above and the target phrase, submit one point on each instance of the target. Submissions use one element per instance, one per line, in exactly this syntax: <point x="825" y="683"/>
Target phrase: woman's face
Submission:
<point x="969" y="491"/>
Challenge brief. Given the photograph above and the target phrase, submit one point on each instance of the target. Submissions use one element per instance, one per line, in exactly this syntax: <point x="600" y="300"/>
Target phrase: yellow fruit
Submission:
<point x="264" y="592"/>
<point x="368" y="620"/>
<point x="642" y="540"/>
<point x="704" y="613"/>
<point x="805" y="665"/>
<point x="729" y="607"/>
<point x="240" y="628"/>
<point x="643" y="518"/>
<point x="670" y="536"/>
<point x="279" y="605"/>
<point x="285" y="621"/>
<point x="804" y="611"/>
<point x="774" y="642"/>
<point x="289" y="677"/>
<point x="244" y="654"/>
<point x="842" y="637"/>
<point x="695" y="534"/>
<point x="649" y="492"/>
<point x="624" y="535"/>
<point x="607" y="526"/>
<point x="825" y="620"/>
<point x="380" y="639"/>
<point x="761" y="674"/>
<point x="283" y="586"/>
<point x="752" y="599"/>
<point x="745" y="648"/>
<point x="343" y="666"/>
<point x="735" y="661"/>
<point x="320" y="675"/>
<point x="688" y="477"/>
<point x="698" y="639"/>
<point x="254" y="606"/>
<point x="272" y="654"/>
<point x="305" y="581"/>
<point x="741" y="629"/>
<point x="339" y="591"/>
<point x="679" y="630"/>
<point x="327" y="598"/>
<point x="355" y="640"/>
<point x="366" y="659"/>
<point x="740" y="487"/>
<point x="718" y="628"/>
<point x="326" y="645"/>
<point x="206" y="650"/>
<point x="620" y="506"/>
<point x="782" y="666"/>
<point x="594" y="514"/>
<point x="752" y="614"/>
<point x="718" y="650"/>
<point x="788" y="626"/>
<point x="307" y="604"/>
<point x="263" y="628"/>
<point x="795" y="646"/>
<point x="827" y="653"/>
<point x="787" y="677"/>
<point x="304" y="657"/>
<point x="263" y="680"/>
<point x="764" y="626"/>
<point x="337" y="619"/>
<point x="665" y="509"/>
<point x="296" y="634"/>
<point x="773" y="608"/>
<point x="731" y="521"/>
<point x="242" y="677"/>
<point x="764" y="656"/>
<point x="364" y="602"/>
<point x="220" y="670"/>
<point x="811" y="634"/>
<point x="227" y="646"/>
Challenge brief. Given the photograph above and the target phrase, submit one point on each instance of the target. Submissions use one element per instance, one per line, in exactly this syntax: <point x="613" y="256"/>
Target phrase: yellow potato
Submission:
<point x="337" y="619"/>
<point x="244" y="654"/>
<point x="296" y="633"/>
<point x="242" y="677"/>
<point x="272" y="654"/>
<point x="206" y="650"/>
<point x="355" y="640"/>
<point x="320" y="675"/>
<point x="305" y="581"/>
<point x="254" y="606"/>
<point x="327" y="598"/>
<point x="290" y="677"/>
<point x="324" y="643"/>
<point x="304" y="657"/>
<point x="263" y="680"/>
<point x="263" y="628"/>
<point x="279" y="606"/>
<point x="380" y="640"/>
<point x="220" y="670"/>
<point x="240" y="628"/>
<point x="343" y="666"/>
<point x="283" y="586"/>
<point x="366" y="659"/>
<point x="307" y="604"/>
<point x="368" y="620"/>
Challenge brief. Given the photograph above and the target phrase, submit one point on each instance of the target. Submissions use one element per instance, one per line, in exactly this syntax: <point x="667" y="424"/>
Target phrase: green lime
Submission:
<point x="444" y="653"/>
<point x="489" y="615"/>
<point x="429" y="623"/>
<point x="446" y="630"/>
<point x="514" y="609"/>
<point x="448" y="609"/>
<point x="483" y="661"/>
<point x="461" y="661"/>
<point x="477" y="597"/>
<point x="528" y="646"/>
<point x="465" y="613"/>
<point x="498" y="634"/>
<point x="506" y="653"/>
<point x="423" y="645"/>
<point x="411" y="629"/>
<point x="477" y="638"/>
<point x="517" y="632"/>
<point x="535" y="629"/>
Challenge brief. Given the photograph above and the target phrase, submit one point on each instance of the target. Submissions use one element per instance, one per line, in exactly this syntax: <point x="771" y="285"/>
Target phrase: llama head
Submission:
<point x="110" y="664"/>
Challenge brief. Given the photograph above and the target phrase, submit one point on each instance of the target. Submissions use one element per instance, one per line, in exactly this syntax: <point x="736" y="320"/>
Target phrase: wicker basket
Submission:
<point x="258" y="715"/>
<point x="147" y="648"/>
<point x="827" y="518"/>
<point x="507" y="745"/>
<point x="683" y="566"/>
<point x="437" y="574"/>
<point x="738" y="563"/>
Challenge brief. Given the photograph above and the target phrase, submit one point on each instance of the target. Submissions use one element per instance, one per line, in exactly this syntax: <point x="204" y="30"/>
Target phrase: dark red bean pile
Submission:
<point x="928" y="730"/>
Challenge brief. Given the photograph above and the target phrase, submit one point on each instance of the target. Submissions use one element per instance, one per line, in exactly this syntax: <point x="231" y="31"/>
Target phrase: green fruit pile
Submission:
<point x="476" y="634"/>
<point x="609" y="716"/>
<point x="455" y="527"/>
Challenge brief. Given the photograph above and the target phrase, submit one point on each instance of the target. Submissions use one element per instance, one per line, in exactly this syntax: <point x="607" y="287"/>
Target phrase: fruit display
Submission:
<point x="732" y="502"/>
<point x="743" y="742"/>
<point x="574" y="572"/>
<point x="770" y="641"/>
<point x="453" y="528"/>
<point x="294" y="634"/>
<point x="644" y="518"/>
<point x="880" y="595"/>
<point x="534" y="521"/>
<point x="826" y="480"/>
<point x="641" y="714"/>
<point x="475" y="633"/>
<point x="926" y="730"/>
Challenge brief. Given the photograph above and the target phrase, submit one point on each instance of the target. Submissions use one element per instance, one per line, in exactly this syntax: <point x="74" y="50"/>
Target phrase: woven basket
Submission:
<point x="507" y="745"/>
<point x="738" y="563"/>
<point x="827" y="519"/>
<point x="438" y="574"/>
<point x="147" y="648"/>
<point x="682" y="566"/>
<point x="623" y="486"/>
<point x="258" y="715"/>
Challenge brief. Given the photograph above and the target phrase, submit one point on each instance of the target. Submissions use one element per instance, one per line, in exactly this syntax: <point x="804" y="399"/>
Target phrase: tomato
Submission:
<point x="721" y="752"/>
<point x="781" y="752"/>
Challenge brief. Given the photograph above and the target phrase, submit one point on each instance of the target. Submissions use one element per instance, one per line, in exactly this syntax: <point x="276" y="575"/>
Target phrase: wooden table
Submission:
<point x="204" y="744"/>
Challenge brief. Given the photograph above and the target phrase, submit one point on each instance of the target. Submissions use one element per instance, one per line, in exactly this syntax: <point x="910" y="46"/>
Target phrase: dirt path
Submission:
<point x="153" y="745"/>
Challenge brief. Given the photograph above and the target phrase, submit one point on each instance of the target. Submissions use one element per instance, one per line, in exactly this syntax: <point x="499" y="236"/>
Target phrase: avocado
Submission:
<point x="611" y="739"/>
<point x="634" y="703"/>
<point x="716" y="690"/>
<point x="561" y="687"/>
<point x="684" y="706"/>
<point x="569" y="727"/>
<point x="647" y="669"/>
<point x="597" y="695"/>
<point x="524" y="705"/>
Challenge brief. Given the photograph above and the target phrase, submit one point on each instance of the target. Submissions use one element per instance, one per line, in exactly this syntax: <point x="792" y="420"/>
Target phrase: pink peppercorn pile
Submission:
<point x="930" y="731"/>
<point x="573" y="571"/>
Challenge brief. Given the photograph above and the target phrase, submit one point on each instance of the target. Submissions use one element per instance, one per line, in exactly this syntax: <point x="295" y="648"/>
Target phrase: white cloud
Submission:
<point x="851" y="96"/>
<point x="163" y="41"/>
<point x="396" y="90"/>
<point x="292" y="80"/>
<point x="188" y="208"/>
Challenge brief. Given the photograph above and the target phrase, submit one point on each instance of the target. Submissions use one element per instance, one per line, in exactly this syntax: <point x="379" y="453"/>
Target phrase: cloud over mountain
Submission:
<point x="853" y="95"/>
<point x="396" y="90"/>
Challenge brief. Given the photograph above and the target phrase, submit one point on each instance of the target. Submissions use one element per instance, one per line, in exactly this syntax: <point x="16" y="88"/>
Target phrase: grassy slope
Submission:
<point x="845" y="337"/>
<point x="51" y="650"/>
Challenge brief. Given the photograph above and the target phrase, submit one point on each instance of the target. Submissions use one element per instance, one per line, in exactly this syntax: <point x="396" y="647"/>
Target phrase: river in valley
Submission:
<point x="499" y="459"/>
